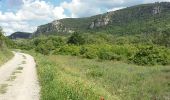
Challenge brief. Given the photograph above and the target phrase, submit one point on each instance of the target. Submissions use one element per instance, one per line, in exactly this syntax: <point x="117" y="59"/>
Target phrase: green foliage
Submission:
<point x="56" y="41"/>
<point x="69" y="50"/>
<point x="163" y="38"/>
<point x="151" y="55"/>
<point x="45" y="48"/>
<point x="58" y="84"/>
<point x="1" y="38"/>
<point x="89" y="51"/>
<point x="5" y="55"/>
<point x="144" y="56"/>
<point x="44" y="45"/>
<point x="68" y="77"/>
<point x="77" y="39"/>
<point x="105" y="52"/>
<point x="97" y="50"/>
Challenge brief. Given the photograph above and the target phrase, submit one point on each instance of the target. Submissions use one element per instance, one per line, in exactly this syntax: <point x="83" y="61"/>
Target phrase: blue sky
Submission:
<point x="26" y="15"/>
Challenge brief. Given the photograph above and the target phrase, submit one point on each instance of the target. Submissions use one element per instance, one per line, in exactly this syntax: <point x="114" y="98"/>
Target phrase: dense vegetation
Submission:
<point x="5" y="54"/>
<point x="20" y="35"/>
<point x="129" y="49"/>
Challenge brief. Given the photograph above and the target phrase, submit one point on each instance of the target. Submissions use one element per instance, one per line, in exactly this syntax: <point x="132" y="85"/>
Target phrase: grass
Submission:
<point x="24" y="56"/>
<point x="23" y="62"/>
<point x="12" y="77"/>
<point x="5" y="55"/>
<point x="3" y="88"/>
<point x="74" y="78"/>
<point x="20" y="68"/>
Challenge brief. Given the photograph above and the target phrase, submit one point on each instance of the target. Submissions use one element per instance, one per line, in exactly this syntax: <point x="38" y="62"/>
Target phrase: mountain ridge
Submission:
<point x="131" y="20"/>
<point x="20" y="35"/>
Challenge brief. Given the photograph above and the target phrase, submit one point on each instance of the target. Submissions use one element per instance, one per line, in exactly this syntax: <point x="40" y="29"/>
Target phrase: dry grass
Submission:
<point x="3" y="88"/>
<point x="67" y="77"/>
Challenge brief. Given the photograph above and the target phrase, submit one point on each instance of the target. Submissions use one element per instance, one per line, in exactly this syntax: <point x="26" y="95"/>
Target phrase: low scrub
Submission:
<point x="141" y="55"/>
<point x="151" y="55"/>
<point x="89" y="51"/>
<point x="69" y="50"/>
<point x="5" y="55"/>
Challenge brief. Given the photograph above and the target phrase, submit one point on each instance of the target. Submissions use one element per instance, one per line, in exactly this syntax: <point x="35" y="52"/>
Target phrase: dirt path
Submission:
<point x="18" y="79"/>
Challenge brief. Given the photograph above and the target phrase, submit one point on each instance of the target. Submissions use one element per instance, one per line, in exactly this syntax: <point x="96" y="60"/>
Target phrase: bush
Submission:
<point x="57" y="41"/>
<point x="89" y="51"/>
<point x="77" y="39"/>
<point x="45" y="48"/>
<point x="124" y="50"/>
<point x="108" y="52"/>
<point x="105" y="55"/>
<point x="69" y="50"/>
<point x="151" y="55"/>
<point x="105" y="52"/>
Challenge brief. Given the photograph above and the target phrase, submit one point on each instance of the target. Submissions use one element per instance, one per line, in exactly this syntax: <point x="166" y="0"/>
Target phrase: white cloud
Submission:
<point x="11" y="27"/>
<point x="78" y="8"/>
<point x="58" y="12"/>
<point x="31" y="10"/>
<point x="114" y="9"/>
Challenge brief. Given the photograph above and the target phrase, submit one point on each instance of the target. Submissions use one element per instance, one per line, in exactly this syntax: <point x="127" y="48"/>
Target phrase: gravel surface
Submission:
<point x="18" y="79"/>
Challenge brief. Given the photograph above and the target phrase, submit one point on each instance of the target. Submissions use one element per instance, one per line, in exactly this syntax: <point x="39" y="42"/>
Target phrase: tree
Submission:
<point x="1" y="37"/>
<point x="166" y="37"/>
<point x="77" y="39"/>
<point x="163" y="38"/>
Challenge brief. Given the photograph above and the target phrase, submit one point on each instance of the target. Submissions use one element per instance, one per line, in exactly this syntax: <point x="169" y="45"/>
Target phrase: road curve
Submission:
<point x="18" y="79"/>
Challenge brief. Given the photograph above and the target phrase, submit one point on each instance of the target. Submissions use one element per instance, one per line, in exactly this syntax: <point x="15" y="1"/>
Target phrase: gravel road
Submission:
<point x="18" y="79"/>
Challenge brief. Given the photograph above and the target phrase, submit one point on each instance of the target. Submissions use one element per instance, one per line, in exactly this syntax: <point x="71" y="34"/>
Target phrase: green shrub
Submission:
<point x="89" y="51"/>
<point x="108" y="55"/>
<point x="151" y="55"/>
<point x="105" y="52"/>
<point x="57" y="41"/>
<point x="124" y="50"/>
<point x="45" y="48"/>
<point x="77" y="39"/>
<point x="116" y="57"/>
<point x="105" y="55"/>
<point x="69" y="50"/>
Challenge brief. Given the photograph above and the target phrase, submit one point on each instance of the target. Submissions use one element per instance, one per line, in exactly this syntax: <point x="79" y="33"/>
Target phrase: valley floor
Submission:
<point x="74" y="78"/>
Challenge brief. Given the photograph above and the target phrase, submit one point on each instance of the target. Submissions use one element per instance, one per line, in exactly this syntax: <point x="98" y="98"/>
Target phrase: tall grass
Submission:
<point x="5" y="55"/>
<point x="74" y="78"/>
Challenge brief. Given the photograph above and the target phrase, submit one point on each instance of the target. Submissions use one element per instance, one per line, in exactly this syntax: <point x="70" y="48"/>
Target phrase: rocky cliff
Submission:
<point x="55" y="26"/>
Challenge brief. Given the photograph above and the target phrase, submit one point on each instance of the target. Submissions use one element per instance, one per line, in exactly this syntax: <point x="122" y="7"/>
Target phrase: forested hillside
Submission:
<point x="20" y="35"/>
<point x="144" y="18"/>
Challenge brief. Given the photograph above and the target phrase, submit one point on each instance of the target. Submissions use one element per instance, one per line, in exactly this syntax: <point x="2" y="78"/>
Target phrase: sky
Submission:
<point x="26" y="15"/>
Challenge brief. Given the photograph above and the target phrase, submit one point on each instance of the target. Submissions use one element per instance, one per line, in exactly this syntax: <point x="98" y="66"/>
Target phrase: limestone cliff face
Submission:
<point x="104" y="20"/>
<point x="58" y="27"/>
<point x="156" y="10"/>
<point x="55" y="26"/>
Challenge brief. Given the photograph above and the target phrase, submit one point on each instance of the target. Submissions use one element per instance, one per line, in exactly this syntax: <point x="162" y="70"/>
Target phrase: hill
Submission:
<point x="20" y="35"/>
<point x="145" y="18"/>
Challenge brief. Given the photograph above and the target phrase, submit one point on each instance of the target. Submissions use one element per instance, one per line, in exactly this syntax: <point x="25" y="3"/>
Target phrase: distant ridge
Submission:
<point x="20" y="35"/>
